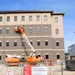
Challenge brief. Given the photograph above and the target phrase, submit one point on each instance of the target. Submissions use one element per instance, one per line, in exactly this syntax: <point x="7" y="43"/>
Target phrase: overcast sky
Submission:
<point x="66" y="6"/>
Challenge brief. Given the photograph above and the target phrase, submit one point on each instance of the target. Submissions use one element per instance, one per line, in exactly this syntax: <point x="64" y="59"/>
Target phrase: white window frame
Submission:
<point x="1" y="30"/>
<point x="45" y="17"/>
<point x="56" y="19"/>
<point x="38" y="29"/>
<point x="8" y="18"/>
<point x="15" y="18"/>
<point x="45" y="29"/>
<point x="1" y="18"/>
<point x="7" y="31"/>
<point x="38" y="18"/>
<point x="30" y="30"/>
<point x="23" y="18"/>
<point x="30" y="18"/>
<point x="56" y="31"/>
<point x="22" y="43"/>
<point x="39" y="54"/>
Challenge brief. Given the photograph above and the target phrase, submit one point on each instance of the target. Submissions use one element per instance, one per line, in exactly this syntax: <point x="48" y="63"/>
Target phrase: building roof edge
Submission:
<point x="58" y="13"/>
<point x="26" y="11"/>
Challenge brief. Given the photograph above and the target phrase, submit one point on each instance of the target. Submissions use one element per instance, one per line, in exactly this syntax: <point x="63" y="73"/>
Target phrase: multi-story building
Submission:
<point x="44" y="30"/>
<point x="71" y="51"/>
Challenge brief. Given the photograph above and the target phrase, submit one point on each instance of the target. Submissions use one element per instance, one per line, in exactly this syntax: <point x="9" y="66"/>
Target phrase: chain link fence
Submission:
<point x="52" y="68"/>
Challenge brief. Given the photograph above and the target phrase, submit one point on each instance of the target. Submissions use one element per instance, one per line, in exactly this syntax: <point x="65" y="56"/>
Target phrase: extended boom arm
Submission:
<point x="21" y="30"/>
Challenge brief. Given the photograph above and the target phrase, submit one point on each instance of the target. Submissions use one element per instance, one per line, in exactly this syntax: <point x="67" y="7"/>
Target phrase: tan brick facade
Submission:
<point x="48" y="30"/>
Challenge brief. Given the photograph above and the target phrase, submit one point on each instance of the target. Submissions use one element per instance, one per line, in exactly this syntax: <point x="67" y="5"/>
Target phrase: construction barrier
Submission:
<point x="43" y="68"/>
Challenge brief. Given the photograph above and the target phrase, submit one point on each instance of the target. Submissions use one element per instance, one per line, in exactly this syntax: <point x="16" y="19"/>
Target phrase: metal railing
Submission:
<point x="56" y="69"/>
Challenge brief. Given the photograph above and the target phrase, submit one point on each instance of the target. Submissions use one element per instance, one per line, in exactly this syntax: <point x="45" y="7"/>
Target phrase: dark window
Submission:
<point x="15" y="18"/>
<point x="23" y="43"/>
<point x="6" y="56"/>
<point x="23" y="18"/>
<point x="0" y="31"/>
<point x="57" y="31"/>
<point x="15" y="43"/>
<point x="45" y="17"/>
<point x="46" y="29"/>
<point x="0" y="57"/>
<point x="38" y="43"/>
<point x="8" y="18"/>
<point x="38" y="29"/>
<point x="56" y="19"/>
<point x="30" y="18"/>
<point x="0" y="19"/>
<point x="58" y="56"/>
<point x="57" y="43"/>
<point x="30" y="30"/>
<point x="38" y="18"/>
<point x="47" y="56"/>
<point x="31" y="43"/>
<point x="7" y="31"/>
<point x="7" y="43"/>
<point x="0" y="44"/>
<point x="46" y="43"/>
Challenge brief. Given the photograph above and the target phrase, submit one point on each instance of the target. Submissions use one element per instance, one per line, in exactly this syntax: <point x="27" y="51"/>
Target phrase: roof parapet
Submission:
<point x="31" y="11"/>
<point x="58" y="13"/>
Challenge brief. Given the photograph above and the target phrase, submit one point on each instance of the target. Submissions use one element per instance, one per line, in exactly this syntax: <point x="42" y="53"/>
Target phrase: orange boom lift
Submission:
<point x="32" y="60"/>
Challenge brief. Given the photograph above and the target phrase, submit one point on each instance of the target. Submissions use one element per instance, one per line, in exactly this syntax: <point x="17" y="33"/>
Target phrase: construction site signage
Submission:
<point x="27" y="71"/>
<point x="39" y="70"/>
<point x="35" y="71"/>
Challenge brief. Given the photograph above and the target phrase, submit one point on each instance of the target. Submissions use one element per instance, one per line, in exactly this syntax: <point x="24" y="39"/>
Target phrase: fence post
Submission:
<point x="61" y="68"/>
<point x="21" y="68"/>
<point x="50" y="69"/>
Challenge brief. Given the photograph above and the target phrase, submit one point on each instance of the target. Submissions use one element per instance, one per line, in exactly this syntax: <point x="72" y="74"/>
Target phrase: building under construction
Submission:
<point x="44" y="30"/>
